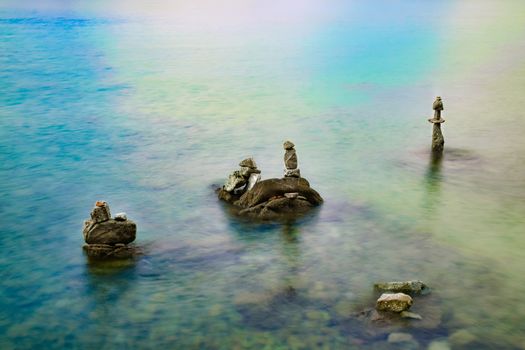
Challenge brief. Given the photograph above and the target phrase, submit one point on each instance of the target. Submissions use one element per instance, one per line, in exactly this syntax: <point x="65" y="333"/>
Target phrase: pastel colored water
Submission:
<point x="150" y="107"/>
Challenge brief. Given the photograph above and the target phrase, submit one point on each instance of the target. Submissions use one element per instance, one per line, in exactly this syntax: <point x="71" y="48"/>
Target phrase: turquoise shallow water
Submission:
<point x="150" y="108"/>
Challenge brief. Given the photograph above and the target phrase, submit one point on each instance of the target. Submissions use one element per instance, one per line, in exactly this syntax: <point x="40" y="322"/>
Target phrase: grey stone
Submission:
<point x="290" y="159"/>
<point x="439" y="345"/>
<point x="121" y="217"/>
<point x="252" y="180"/>
<point x="235" y="180"/>
<point x="410" y="287"/>
<point x="288" y="145"/>
<point x="292" y="173"/>
<point x="394" y="302"/>
<point x="437" y="106"/>
<point x="100" y="212"/>
<point x="411" y="315"/>
<point x="249" y="163"/>
<point x="109" y="232"/>
<point x="398" y="337"/>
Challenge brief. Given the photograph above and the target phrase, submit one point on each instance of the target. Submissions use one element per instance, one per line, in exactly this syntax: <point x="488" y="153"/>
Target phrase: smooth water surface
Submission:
<point x="150" y="107"/>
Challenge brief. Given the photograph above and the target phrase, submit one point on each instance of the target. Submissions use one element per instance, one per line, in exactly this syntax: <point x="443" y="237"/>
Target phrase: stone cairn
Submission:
<point x="271" y="199"/>
<point x="290" y="160"/>
<point x="438" y="141"/>
<point x="107" y="237"/>
<point x="244" y="179"/>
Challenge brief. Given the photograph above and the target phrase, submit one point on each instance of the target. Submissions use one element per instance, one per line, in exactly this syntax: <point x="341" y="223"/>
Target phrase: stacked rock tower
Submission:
<point x="106" y="236"/>
<point x="438" y="142"/>
<point x="290" y="160"/>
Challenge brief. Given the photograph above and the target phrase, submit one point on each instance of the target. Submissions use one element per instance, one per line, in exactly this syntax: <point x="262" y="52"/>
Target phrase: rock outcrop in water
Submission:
<point x="271" y="199"/>
<point x="397" y="302"/>
<point x="107" y="237"/>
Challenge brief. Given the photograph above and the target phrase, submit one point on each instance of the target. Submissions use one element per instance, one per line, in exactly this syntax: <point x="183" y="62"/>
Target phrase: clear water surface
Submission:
<point x="150" y="106"/>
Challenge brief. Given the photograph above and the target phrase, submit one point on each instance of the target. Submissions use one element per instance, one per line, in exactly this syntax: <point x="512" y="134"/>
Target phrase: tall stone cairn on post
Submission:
<point x="438" y="142"/>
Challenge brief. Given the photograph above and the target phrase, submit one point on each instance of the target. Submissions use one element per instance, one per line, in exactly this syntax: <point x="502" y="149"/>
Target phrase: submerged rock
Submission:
<point x="408" y="287"/>
<point x="439" y="345"/>
<point x="398" y="337"/>
<point x="411" y="315"/>
<point x="461" y="338"/>
<point x="394" y="302"/>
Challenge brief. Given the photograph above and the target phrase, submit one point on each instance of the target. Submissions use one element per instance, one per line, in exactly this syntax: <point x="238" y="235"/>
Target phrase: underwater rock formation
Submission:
<point x="408" y="287"/>
<point x="107" y="237"/>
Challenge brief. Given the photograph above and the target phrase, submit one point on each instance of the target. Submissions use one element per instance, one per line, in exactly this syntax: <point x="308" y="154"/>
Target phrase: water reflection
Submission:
<point x="433" y="179"/>
<point x="247" y="228"/>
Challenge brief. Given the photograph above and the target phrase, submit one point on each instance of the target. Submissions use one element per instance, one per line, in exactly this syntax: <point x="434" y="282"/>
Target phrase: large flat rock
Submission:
<point x="110" y="232"/>
<point x="272" y="188"/>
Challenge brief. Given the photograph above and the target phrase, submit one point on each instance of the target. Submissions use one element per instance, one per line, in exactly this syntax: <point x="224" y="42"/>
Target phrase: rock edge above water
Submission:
<point x="273" y="199"/>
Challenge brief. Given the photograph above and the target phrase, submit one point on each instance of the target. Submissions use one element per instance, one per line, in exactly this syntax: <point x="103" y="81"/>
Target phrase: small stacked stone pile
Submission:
<point x="290" y="160"/>
<point x="244" y="179"/>
<point x="106" y="236"/>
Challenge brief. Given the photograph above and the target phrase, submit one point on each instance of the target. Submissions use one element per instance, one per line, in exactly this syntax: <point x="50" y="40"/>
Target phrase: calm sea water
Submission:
<point x="150" y="106"/>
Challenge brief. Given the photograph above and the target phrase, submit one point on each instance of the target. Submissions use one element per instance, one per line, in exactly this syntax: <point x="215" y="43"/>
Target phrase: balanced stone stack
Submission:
<point x="244" y="179"/>
<point x="438" y="141"/>
<point x="106" y="237"/>
<point x="271" y="199"/>
<point x="290" y="160"/>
